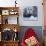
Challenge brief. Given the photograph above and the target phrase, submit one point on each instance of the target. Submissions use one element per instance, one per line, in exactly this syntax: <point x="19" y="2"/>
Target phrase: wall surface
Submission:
<point x="25" y="3"/>
<point x="45" y="22"/>
<point x="7" y="3"/>
<point x="45" y="13"/>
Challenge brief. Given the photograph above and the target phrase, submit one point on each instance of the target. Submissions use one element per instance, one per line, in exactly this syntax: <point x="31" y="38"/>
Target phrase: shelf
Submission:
<point x="7" y="16"/>
<point x="10" y="10"/>
<point x="11" y="41"/>
<point x="10" y="19"/>
<point x="10" y="26"/>
<point x="6" y="12"/>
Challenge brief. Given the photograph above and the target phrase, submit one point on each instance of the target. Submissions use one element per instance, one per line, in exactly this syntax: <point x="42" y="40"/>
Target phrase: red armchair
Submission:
<point x="28" y="34"/>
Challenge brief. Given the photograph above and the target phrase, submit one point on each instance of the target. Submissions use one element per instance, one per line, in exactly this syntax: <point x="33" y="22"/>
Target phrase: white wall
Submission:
<point x="7" y="3"/>
<point x="25" y="3"/>
<point x="37" y="3"/>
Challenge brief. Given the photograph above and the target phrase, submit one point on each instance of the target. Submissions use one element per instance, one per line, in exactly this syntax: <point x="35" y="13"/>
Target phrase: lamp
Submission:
<point x="15" y="30"/>
<point x="15" y="37"/>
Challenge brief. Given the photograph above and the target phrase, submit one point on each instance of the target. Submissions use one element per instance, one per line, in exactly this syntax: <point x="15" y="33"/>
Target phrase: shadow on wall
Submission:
<point x="37" y="29"/>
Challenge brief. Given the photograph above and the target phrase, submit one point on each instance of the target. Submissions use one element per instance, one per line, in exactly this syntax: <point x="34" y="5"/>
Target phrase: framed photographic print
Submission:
<point x="5" y="12"/>
<point x="30" y="13"/>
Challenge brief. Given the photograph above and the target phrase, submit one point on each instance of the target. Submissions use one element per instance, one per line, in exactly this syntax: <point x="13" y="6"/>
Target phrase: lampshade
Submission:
<point x="15" y="30"/>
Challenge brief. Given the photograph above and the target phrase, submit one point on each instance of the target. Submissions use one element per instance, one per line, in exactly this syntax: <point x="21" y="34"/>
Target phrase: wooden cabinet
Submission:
<point x="9" y="21"/>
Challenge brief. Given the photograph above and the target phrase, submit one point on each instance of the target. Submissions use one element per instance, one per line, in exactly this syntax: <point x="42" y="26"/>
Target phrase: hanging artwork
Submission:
<point x="30" y="13"/>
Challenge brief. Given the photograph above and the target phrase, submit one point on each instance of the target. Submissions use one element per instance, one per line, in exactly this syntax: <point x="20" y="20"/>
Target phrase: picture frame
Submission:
<point x="5" y="12"/>
<point x="30" y="13"/>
